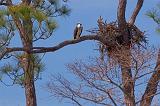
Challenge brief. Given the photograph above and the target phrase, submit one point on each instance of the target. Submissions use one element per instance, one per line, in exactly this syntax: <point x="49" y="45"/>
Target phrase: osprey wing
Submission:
<point x="81" y="29"/>
<point x="75" y="32"/>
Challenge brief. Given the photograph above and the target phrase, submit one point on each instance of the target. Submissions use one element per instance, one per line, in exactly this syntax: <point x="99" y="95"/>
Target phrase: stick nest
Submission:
<point x="115" y="37"/>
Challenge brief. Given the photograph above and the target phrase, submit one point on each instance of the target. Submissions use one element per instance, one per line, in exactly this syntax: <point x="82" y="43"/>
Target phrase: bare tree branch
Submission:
<point x="152" y="85"/>
<point x="112" y="99"/>
<point x="148" y="97"/>
<point x="9" y="50"/>
<point x="136" y="11"/>
<point x="97" y="81"/>
<point x="54" y="48"/>
<point x="67" y="42"/>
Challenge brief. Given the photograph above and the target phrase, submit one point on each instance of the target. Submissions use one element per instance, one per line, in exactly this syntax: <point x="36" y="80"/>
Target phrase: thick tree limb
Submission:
<point x="136" y="11"/>
<point x="151" y="95"/>
<point x="65" y="43"/>
<point x="121" y="13"/>
<point x="152" y="85"/>
<point x="54" y="48"/>
<point x="121" y="20"/>
<point x="9" y="50"/>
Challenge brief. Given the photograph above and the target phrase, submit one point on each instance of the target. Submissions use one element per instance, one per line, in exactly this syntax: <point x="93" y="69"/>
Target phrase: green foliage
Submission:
<point x="64" y="10"/>
<point x="19" y="80"/>
<point x="15" y="72"/>
<point x="24" y="11"/>
<point x="53" y="8"/>
<point x="6" y="68"/>
<point x="7" y="26"/>
<point x="2" y="18"/>
<point x="4" y="12"/>
<point x="54" y="2"/>
<point x="51" y="25"/>
<point x="3" y="38"/>
<point x="41" y="12"/>
<point x="155" y="15"/>
<point x="39" y="16"/>
<point x="37" y="64"/>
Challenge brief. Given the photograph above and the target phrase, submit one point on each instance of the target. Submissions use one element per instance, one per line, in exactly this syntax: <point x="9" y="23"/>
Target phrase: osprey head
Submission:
<point x="79" y="25"/>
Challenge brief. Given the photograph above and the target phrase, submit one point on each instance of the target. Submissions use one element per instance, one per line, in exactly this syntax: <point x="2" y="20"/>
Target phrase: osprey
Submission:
<point x="78" y="31"/>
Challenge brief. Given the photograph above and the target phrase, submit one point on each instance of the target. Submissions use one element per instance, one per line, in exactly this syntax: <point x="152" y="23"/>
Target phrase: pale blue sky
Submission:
<point x="86" y="12"/>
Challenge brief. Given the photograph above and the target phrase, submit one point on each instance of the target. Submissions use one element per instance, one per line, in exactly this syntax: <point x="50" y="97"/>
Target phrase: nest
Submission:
<point x="116" y="39"/>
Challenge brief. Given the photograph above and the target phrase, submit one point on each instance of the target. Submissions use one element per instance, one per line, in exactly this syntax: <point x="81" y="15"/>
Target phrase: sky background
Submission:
<point x="86" y="12"/>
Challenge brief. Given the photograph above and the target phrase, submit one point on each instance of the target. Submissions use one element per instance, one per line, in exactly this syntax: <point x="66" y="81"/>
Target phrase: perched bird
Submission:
<point x="78" y="31"/>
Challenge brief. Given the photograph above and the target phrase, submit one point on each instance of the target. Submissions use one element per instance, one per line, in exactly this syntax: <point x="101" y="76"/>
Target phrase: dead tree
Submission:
<point x="101" y="83"/>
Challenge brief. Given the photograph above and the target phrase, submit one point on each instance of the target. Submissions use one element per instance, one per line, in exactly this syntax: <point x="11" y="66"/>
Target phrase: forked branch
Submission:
<point x="136" y="11"/>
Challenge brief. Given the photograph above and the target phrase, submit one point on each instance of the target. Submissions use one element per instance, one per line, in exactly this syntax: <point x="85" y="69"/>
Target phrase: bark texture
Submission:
<point x="29" y="82"/>
<point x="127" y="82"/>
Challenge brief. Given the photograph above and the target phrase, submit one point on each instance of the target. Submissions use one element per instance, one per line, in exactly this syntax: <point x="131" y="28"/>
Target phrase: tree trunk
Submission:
<point x="29" y="81"/>
<point x="128" y="84"/>
<point x="128" y="87"/>
<point x="30" y="93"/>
<point x="29" y="64"/>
